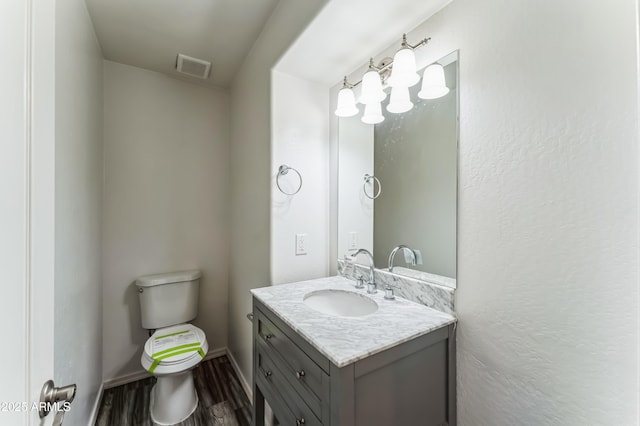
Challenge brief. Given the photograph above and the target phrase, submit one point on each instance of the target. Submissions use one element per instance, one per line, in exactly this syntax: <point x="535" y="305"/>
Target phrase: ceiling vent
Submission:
<point x="192" y="66"/>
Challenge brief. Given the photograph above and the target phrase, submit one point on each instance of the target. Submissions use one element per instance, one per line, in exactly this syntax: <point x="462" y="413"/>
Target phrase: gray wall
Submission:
<point x="78" y="193"/>
<point x="250" y="169"/>
<point x="166" y="189"/>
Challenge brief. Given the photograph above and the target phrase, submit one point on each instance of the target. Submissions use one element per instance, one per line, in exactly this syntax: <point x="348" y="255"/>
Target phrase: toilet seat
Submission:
<point x="174" y="349"/>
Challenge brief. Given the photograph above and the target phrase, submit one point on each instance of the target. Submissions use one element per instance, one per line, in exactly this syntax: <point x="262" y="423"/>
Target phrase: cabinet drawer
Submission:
<point x="294" y="381"/>
<point x="287" y="405"/>
<point x="302" y="372"/>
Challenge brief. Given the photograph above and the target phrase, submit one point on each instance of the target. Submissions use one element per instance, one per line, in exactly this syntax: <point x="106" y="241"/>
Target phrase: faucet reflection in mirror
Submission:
<point x="415" y="257"/>
<point x="399" y="73"/>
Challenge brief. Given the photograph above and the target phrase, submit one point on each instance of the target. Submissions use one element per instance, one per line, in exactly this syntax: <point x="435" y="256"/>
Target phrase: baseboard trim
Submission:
<point x="243" y="380"/>
<point x="143" y="374"/>
<point x="127" y="378"/>
<point x="215" y="353"/>
<point x="96" y="405"/>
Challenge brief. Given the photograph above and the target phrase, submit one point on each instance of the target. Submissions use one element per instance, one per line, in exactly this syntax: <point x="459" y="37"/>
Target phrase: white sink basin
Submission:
<point x="340" y="303"/>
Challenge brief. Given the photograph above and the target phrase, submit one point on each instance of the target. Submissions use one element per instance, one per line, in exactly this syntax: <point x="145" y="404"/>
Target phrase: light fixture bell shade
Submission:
<point x="400" y="100"/>
<point x="434" y="84"/>
<point x="403" y="73"/>
<point x="372" y="88"/>
<point x="346" y="103"/>
<point x="373" y="113"/>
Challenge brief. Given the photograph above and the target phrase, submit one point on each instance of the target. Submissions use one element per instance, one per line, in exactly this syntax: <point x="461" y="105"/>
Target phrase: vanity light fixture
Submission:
<point x="346" y="101"/>
<point x="404" y="71"/>
<point x="434" y="84"/>
<point x="372" y="86"/>
<point x="372" y="113"/>
<point x="399" y="73"/>
<point x="400" y="100"/>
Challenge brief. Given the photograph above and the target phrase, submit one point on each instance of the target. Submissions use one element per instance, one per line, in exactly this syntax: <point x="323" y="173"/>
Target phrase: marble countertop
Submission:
<point x="344" y="340"/>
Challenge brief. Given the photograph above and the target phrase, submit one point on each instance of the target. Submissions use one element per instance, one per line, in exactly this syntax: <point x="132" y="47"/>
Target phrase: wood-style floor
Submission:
<point x="222" y="399"/>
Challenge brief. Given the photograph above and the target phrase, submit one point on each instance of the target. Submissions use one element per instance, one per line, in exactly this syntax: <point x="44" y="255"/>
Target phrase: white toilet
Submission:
<point x="167" y="302"/>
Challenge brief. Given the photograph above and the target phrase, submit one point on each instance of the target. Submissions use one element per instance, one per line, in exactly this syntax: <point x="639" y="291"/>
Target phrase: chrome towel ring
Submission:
<point x="283" y="170"/>
<point x="367" y="179"/>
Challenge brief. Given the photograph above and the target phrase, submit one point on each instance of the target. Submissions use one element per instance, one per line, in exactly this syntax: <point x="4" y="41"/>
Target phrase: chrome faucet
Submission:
<point x="414" y="259"/>
<point x="371" y="285"/>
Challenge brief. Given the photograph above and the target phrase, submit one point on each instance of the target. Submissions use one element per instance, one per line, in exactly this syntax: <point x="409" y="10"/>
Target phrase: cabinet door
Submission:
<point x="411" y="390"/>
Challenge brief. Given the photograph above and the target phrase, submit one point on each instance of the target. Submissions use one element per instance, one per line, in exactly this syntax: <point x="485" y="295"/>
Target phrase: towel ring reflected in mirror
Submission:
<point x="282" y="171"/>
<point x="367" y="179"/>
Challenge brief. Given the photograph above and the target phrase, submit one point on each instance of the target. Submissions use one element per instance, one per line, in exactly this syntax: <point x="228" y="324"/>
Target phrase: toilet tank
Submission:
<point x="168" y="299"/>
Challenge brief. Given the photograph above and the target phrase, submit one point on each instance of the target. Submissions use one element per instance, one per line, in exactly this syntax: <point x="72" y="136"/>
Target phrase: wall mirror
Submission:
<point x="414" y="157"/>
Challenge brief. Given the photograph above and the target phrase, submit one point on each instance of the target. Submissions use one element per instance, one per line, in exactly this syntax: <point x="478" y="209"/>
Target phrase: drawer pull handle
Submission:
<point x="268" y="336"/>
<point x="267" y="374"/>
<point x="300" y="374"/>
<point x="300" y="422"/>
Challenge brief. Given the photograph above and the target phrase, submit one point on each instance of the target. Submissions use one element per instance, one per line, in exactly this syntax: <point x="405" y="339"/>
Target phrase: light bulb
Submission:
<point x="372" y="88"/>
<point x="346" y="103"/>
<point x="434" y="84"/>
<point x="372" y="113"/>
<point x="403" y="73"/>
<point x="400" y="100"/>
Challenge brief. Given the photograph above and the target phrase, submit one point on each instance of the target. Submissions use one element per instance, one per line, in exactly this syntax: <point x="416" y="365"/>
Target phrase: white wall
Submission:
<point x="166" y="186"/>
<point x="78" y="193"/>
<point x="548" y="209"/>
<point x="548" y="254"/>
<point x="251" y="169"/>
<point x="299" y="139"/>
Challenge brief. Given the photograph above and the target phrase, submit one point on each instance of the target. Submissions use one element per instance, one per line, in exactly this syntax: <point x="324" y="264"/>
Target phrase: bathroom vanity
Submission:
<point x="393" y="366"/>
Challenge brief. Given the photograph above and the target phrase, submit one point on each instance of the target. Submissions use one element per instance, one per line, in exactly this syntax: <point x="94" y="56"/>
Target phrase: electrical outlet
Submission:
<point x="353" y="241"/>
<point x="301" y="244"/>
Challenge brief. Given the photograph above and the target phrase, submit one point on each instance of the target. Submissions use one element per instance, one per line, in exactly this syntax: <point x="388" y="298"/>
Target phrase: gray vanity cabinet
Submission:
<point x="412" y="383"/>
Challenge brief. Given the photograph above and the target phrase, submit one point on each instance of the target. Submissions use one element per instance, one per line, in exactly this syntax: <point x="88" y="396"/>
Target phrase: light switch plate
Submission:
<point x="353" y="241"/>
<point x="301" y="244"/>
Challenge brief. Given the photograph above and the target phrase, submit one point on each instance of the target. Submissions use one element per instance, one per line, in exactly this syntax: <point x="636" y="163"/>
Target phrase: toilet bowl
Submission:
<point x="168" y="302"/>
<point x="170" y="354"/>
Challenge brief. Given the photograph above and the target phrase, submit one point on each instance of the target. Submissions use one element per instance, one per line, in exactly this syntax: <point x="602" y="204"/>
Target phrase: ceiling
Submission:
<point x="346" y="33"/>
<point x="150" y="33"/>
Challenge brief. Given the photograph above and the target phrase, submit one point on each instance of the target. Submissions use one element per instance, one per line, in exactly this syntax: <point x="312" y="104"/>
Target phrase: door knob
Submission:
<point x="51" y="394"/>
